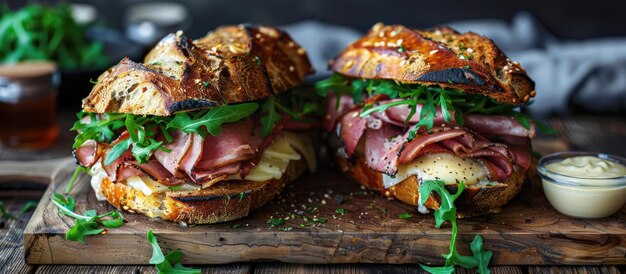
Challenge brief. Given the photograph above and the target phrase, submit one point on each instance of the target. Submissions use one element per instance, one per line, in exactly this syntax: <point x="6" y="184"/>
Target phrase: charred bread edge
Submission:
<point x="376" y="55"/>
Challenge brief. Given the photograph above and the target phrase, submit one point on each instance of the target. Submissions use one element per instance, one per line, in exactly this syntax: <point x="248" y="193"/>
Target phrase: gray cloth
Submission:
<point x="589" y="74"/>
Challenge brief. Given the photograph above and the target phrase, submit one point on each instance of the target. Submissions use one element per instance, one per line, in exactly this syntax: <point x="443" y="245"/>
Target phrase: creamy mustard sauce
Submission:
<point x="586" y="186"/>
<point x="588" y="167"/>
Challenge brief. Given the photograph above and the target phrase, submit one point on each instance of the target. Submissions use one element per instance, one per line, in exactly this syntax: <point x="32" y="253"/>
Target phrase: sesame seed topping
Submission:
<point x="434" y="51"/>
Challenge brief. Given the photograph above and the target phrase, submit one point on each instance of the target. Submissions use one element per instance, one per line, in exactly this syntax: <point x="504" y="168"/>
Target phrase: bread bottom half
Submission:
<point x="224" y="201"/>
<point x="474" y="201"/>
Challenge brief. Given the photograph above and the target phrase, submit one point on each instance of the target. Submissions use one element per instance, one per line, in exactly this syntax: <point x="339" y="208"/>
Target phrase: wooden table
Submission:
<point x="601" y="134"/>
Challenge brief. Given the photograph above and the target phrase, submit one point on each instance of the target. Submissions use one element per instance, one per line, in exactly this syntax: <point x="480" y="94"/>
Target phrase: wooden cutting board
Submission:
<point x="527" y="231"/>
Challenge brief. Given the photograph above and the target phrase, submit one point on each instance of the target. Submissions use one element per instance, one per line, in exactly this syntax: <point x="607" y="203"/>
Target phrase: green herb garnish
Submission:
<point x="275" y="221"/>
<point x="88" y="224"/>
<point x="319" y="220"/>
<point x="447" y="212"/>
<point x="405" y="216"/>
<point x="4" y="213"/>
<point x="30" y="205"/>
<point x="42" y="32"/>
<point x="143" y="130"/>
<point x="340" y="211"/>
<point x="169" y="263"/>
<point x="452" y="102"/>
<point x="77" y="171"/>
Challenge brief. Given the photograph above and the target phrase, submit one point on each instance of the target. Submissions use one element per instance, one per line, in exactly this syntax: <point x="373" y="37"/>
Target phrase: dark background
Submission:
<point x="574" y="19"/>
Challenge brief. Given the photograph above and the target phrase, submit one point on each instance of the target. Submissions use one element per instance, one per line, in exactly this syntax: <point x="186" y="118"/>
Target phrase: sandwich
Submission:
<point x="203" y="131"/>
<point x="405" y="106"/>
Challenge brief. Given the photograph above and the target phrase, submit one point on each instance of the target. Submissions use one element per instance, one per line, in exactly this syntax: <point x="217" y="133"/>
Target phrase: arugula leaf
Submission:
<point x="269" y="115"/>
<point x="66" y="203"/>
<point x="77" y="171"/>
<point x="157" y="254"/>
<point x="4" y="213"/>
<point x="44" y="32"/>
<point x="276" y="221"/>
<point x="30" y="205"/>
<point x="117" y="219"/>
<point x="117" y="150"/>
<point x="447" y="212"/>
<point x="438" y="269"/>
<point x="81" y="229"/>
<point x="143" y="152"/>
<point x="212" y="119"/>
<point x="87" y="224"/>
<point x="483" y="256"/>
<point x="169" y="263"/>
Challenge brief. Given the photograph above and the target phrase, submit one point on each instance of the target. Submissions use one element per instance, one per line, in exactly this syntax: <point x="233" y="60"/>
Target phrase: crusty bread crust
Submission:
<point x="468" y="62"/>
<point x="474" y="201"/>
<point x="232" y="64"/>
<point x="224" y="201"/>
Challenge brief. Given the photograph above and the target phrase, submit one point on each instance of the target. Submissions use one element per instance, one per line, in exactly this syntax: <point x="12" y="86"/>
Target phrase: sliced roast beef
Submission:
<point x="498" y="125"/>
<point x="382" y="147"/>
<point x="352" y="128"/>
<point x="179" y="147"/>
<point x="335" y="109"/>
<point x="234" y="144"/>
<point x="88" y="153"/>
<point x="156" y="171"/>
<point x="202" y="176"/>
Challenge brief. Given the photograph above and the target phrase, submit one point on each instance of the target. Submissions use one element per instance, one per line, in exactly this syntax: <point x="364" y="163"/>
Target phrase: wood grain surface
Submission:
<point x="527" y="231"/>
<point x="602" y="134"/>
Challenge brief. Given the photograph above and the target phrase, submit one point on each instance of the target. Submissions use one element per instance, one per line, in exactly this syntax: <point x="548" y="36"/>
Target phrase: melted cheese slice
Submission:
<point x="274" y="161"/>
<point x="440" y="166"/>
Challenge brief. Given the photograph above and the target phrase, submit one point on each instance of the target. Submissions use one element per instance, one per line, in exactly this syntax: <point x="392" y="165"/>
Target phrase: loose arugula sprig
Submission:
<point x="452" y="102"/>
<point x="4" y="213"/>
<point x="169" y="263"/>
<point x="88" y="224"/>
<point x="447" y="212"/>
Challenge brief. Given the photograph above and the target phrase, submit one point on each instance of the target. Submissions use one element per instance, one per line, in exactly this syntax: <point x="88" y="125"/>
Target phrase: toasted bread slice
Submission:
<point x="224" y="201"/>
<point x="474" y="201"/>
<point x="233" y="64"/>
<point x="468" y="62"/>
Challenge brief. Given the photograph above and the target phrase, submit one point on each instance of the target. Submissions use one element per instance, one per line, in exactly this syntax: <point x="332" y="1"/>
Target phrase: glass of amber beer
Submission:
<point x="28" y="105"/>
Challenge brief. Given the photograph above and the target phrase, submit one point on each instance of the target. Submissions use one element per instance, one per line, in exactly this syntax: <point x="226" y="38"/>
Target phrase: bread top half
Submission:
<point x="232" y="64"/>
<point x="442" y="56"/>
